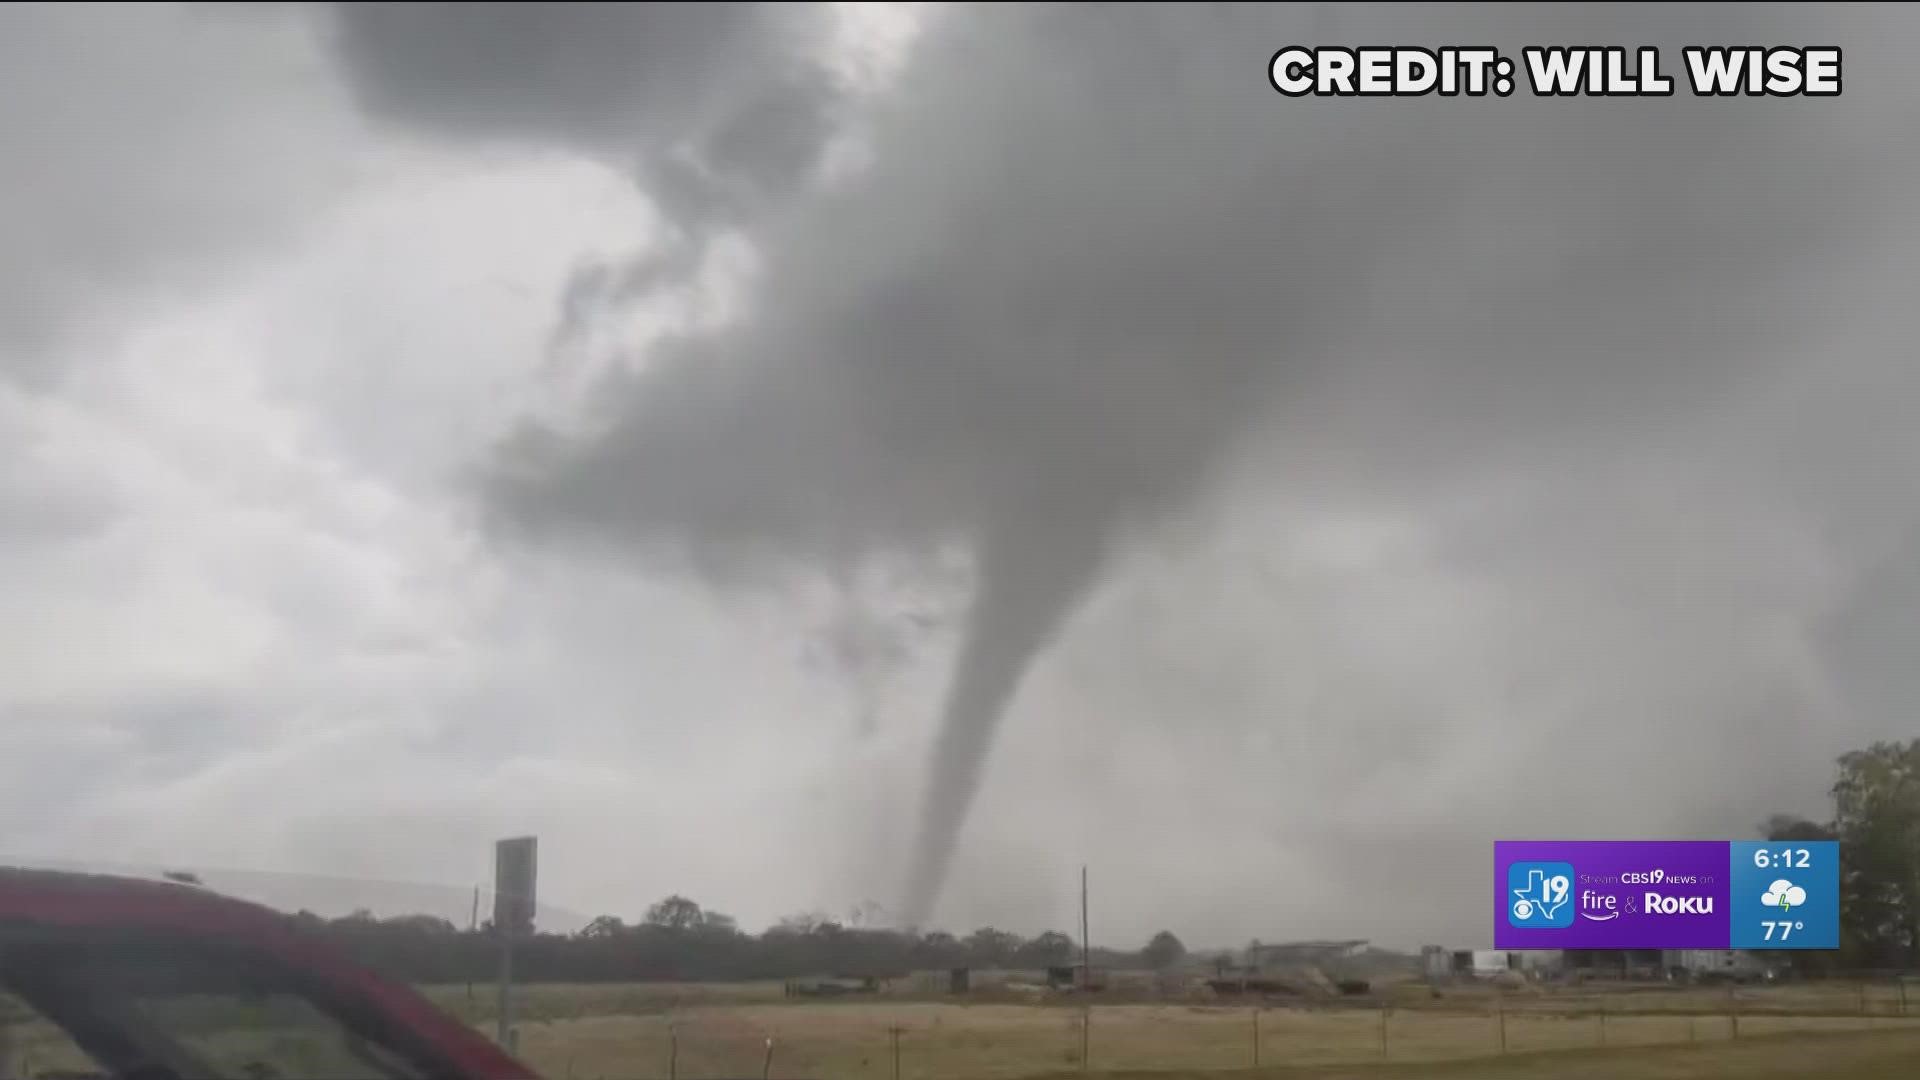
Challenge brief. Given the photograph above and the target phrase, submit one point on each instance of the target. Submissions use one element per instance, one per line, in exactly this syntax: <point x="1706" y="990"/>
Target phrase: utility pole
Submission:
<point x="1086" y="950"/>
<point x="504" y="1022"/>
<point x="473" y="927"/>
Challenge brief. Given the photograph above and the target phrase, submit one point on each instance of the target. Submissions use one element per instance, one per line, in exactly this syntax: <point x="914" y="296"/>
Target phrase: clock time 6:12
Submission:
<point x="1784" y="859"/>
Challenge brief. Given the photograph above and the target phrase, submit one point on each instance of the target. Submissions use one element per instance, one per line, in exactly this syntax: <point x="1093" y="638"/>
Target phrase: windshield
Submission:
<point x="160" y="1008"/>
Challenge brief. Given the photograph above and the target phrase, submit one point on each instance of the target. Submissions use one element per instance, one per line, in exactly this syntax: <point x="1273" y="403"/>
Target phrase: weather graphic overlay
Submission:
<point x="1785" y="895"/>
<point x="1666" y="894"/>
<point x="1541" y="895"/>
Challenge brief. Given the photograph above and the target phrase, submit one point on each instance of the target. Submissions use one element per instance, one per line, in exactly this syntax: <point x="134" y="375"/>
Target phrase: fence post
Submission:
<point x="766" y="1067"/>
<point x="1086" y="1024"/>
<point x="1863" y="997"/>
<point x="1383" y="1032"/>
<point x="1256" y="1037"/>
<point x="1603" y="1025"/>
<point x="1733" y="1008"/>
<point x="896" y="1051"/>
<point x="673" y="1052"/>
<point x="1903" y="995"/>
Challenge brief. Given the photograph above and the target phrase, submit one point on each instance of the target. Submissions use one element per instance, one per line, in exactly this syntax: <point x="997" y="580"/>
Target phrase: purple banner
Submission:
<point x="1610" y="894"/>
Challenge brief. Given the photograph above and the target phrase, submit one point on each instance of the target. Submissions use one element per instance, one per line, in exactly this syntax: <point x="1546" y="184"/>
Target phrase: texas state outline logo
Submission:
<point x="1540" y="895"/>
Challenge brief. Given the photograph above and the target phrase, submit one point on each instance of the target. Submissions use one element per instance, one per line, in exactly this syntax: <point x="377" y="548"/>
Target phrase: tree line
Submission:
<point x="1875" y="815"/>
<point x="680" y="941"/>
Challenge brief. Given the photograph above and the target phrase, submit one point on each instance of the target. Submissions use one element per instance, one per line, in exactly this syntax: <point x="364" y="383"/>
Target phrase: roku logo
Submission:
<point x="1679" y="905"/>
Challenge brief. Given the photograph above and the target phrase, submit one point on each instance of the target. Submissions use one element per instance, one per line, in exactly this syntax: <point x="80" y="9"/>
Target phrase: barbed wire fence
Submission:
<point x="837" y="1040"/>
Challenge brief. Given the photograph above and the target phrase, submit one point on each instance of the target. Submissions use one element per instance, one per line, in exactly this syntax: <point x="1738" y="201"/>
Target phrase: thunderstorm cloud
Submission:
<point x="494" y="419"/>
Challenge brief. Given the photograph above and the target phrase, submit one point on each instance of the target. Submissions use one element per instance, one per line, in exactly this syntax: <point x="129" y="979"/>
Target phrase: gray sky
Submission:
<point x="428" y="424"/>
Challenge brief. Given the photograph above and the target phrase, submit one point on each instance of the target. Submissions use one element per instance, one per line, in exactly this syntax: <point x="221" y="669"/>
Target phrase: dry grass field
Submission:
<point x="709" y="1031"/>
<point x="696" y="1032"/>
<point x="1853" y="1056"/>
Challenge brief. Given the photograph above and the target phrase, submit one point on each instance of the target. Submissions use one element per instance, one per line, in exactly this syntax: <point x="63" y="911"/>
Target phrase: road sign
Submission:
<point x="515" y="864"/>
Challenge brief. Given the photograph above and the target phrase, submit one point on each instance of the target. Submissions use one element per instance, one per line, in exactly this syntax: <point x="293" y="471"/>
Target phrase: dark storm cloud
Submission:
<point x="1095" y="254"/>
<point x="603" y="75"/>
<point x="131" y="166"/>
<point x="719" y="110"/>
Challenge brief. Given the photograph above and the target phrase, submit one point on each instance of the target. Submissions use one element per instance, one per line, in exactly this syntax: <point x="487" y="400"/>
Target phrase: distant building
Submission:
<point x="1488" y="961"/>
<point x="1302" y="953"/>
<point x="1542" y="960"/>
<point x="1437" y="962"/>
<point x="1712" y="963"/>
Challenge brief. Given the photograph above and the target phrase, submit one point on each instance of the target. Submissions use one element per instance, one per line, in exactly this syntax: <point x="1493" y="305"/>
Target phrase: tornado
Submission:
<point x="1031" y="575"/>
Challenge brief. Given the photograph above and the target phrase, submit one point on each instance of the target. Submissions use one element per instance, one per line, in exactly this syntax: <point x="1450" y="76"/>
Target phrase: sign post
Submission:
<point x="515" y="864"/>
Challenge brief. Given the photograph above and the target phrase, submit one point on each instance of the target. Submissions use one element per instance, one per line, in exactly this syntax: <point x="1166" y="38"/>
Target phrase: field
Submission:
<point x="695" y="1032"/>
<point x="711" y="1031"/>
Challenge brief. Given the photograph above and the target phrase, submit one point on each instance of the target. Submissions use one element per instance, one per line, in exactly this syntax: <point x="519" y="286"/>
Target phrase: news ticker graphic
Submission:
<point x="1666" y="894"/>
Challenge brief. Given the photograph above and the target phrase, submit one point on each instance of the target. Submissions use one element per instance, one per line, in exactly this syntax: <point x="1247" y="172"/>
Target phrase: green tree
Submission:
<point x="987" y="947"/>
<point x="1163" y="951"/>
<point x="805" y="922"/>
<point x="606" y="926"/>
<point x="1876" y="803"/>
<point x="1049" y="949"/>
<point x="1790" y="827"/>
<point x="676" y="913"/>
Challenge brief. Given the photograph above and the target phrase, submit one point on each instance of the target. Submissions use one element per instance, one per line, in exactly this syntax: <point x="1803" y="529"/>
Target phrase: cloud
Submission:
<point x="719" y="110"/>
<point x="135" y="172"/>
<point x="1338" y="476"/>
<point x="1784" y="894"/>
<point x="1092" y="270"/>
<point x="248" y="619"/>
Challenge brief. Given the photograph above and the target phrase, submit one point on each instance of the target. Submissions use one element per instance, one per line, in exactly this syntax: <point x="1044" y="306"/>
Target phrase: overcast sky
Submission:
<point x="422" y="425"/>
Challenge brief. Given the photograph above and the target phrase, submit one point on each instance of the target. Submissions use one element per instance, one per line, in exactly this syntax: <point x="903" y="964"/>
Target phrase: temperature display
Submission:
<point x="1785" y="896"/>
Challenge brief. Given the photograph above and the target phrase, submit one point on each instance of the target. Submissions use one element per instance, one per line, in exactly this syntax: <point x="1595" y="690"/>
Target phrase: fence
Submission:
<point x="935" y="1040"/>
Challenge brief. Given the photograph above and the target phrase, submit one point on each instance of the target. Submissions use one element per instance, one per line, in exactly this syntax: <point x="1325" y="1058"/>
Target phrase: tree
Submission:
<point x="1876" y="803"/>
<point x="1164" y="951"/>
<point x="1048" y="950"/>
<point x="1790" y="827"/>
<point x="805" y="922"/>
<point x="423" y="924"/>
<point x="676" y="913"/>
<point x="988" y="947"/>
<point x="606" y="926"/>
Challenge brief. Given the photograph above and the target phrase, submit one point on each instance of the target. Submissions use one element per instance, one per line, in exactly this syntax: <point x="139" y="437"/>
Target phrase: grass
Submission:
<point x="944" y="1041"/>
<point x="697" y="1031"/>
<point x="1853" y="1056"/>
